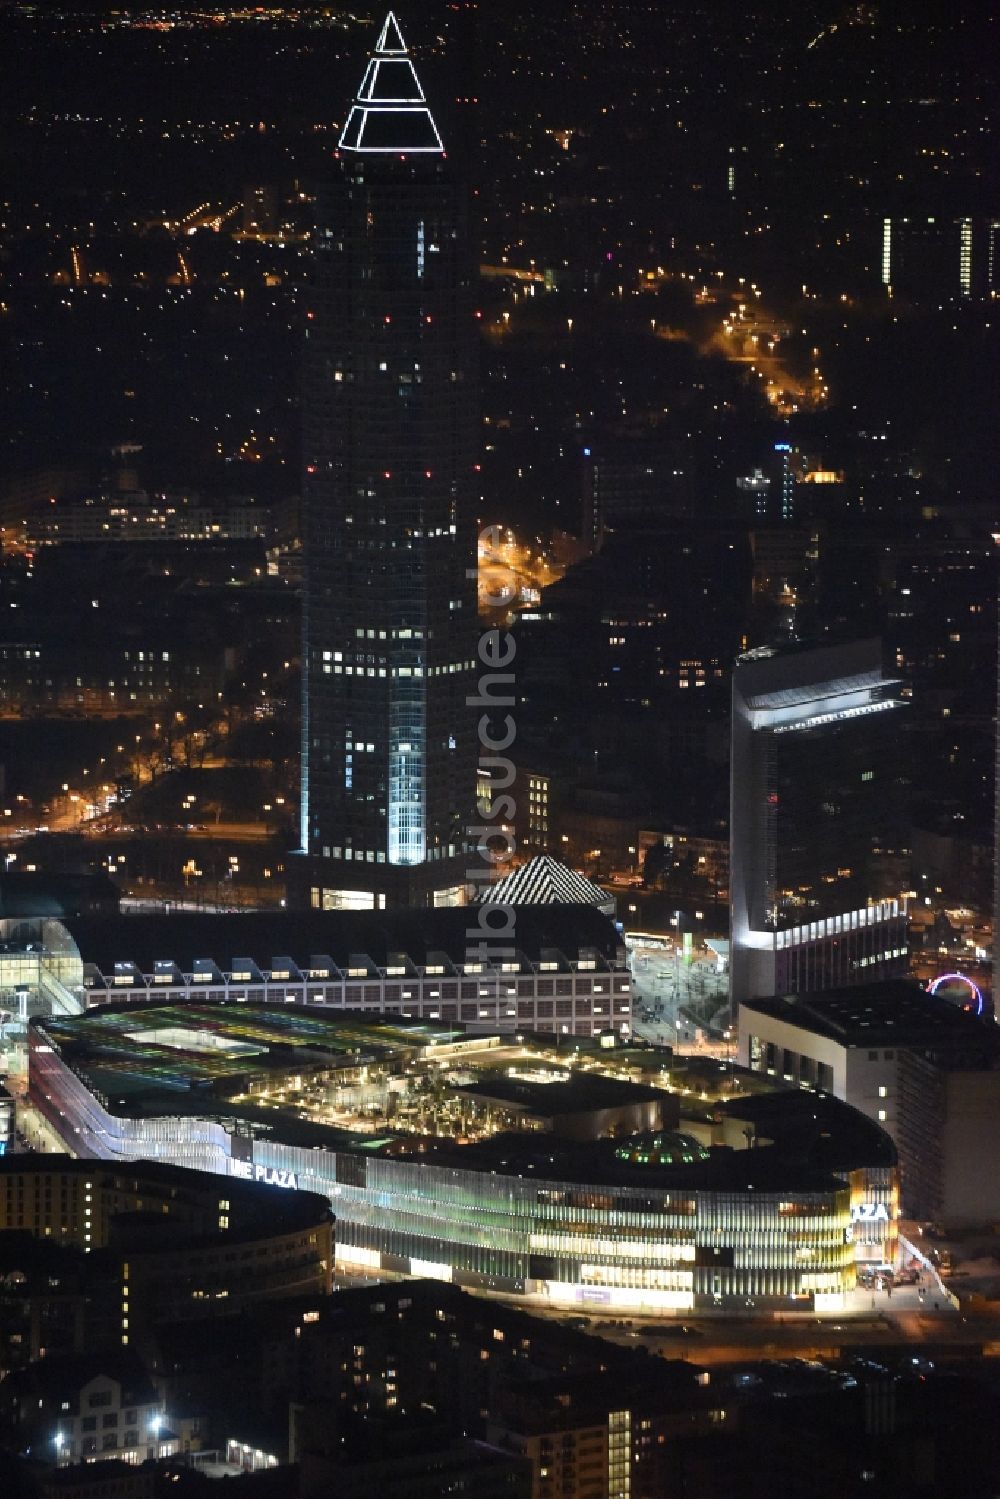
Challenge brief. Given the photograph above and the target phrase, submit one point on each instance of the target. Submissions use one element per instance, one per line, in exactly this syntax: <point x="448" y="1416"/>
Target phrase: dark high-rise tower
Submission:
<point x="391" y="454"/>
<point x="817" y="777"/>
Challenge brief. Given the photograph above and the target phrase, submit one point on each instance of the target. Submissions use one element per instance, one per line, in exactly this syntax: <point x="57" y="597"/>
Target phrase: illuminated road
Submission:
<point x="724" y="1339"/>
<point x="231" y="832"/>
<point x="748" y="334"/>
<point x="512" y="573"/>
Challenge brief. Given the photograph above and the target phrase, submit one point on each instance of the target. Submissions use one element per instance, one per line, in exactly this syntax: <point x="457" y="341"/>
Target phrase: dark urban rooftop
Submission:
<point x="259" y="1207"/>
<point x="185" y="937"/>
<point x="25" y="895"/>
<point x="815" y="1127"/>
<point x="569" y="1401"/>
<point x="597" y="1163"/>
<point x="576" y="1093"/>
<point x="62" y="1376"/>
<point x="896" y="1013"/>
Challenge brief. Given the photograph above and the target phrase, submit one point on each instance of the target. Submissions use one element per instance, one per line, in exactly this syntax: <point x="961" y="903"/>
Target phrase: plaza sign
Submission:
<point x="271" y="1176"/>
<point x="870" y="1212"/>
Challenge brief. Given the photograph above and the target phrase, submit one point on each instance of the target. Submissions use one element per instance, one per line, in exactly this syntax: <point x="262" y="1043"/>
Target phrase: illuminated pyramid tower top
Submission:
<point x="390" y="115"/>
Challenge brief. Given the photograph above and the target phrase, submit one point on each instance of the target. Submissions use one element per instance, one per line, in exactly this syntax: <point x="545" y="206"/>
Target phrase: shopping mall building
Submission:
<point x="440" y="1157"/>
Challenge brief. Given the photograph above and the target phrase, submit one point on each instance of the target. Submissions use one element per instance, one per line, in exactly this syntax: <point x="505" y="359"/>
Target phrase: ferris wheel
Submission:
<point x="947" y="980"/>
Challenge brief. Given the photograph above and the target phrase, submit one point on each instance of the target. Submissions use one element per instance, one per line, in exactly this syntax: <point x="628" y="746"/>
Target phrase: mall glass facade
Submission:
<point x="636" y="1244"/>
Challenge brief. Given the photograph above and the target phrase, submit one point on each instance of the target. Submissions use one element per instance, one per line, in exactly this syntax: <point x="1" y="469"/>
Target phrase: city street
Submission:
<point x="731" y="1339"/>
<point x="674" y="998"/>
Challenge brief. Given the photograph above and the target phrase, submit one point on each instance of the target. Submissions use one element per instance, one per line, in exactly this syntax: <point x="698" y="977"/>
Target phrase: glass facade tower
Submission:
<point x="391" y="462"/>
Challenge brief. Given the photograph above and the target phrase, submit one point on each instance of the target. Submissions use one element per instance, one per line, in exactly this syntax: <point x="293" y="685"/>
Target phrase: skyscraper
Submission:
<point x="816" y="811"/>
<point x="391" y="460"/>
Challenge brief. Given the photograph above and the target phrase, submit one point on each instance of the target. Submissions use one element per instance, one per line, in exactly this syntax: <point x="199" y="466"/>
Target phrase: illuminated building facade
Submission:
<point x="923" y="1069"/>
<point x="815" y="778"/>
<point x="568" y="975"/>
<point x="756" y="487"/>
<point x="786" y="480"/>
<point x="214" y="1251"/>
<point x="770" y="495"/>
<point x="135" y="515"/>
<point x="106" y="678"/>
<point x="89" y="1409"/>
<point x="7" y="1120"/>
<point x="536" y="818"/>
<point x="821" y="1128"/>
<point x="607" y="1434"/>
<point x="929" y="257"/>
<point x="993" y="258"/>
<point x="546" y="1218"/>
<point x="391" y="459"/>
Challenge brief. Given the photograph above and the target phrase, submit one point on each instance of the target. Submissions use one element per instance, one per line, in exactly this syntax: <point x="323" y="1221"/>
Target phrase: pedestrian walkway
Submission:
<point x="38" y="1132"/>
<point x="925" y="1298"/>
